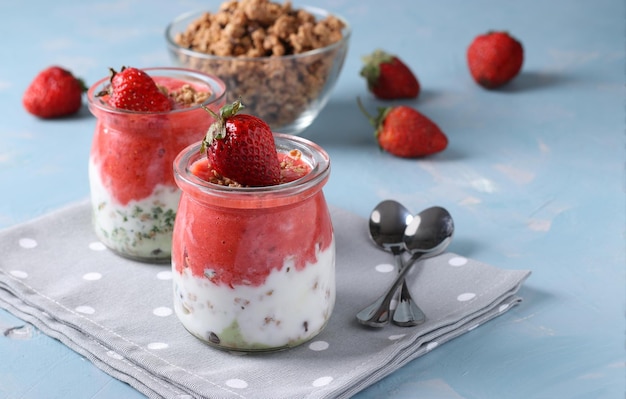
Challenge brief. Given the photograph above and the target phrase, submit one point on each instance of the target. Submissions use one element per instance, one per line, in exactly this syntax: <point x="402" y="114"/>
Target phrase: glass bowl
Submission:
<point x="287" y="92"/>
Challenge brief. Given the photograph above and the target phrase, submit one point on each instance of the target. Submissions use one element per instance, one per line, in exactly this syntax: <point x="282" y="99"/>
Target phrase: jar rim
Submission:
<point x="217" y="86"/>
<point x="313" y="154"/>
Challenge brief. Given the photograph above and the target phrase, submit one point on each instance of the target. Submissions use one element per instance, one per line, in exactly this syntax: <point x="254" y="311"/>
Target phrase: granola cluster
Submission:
<point x="259" y="28"/>
<point x="186" y="96"/>
<point x="258" y="33"/>
<point x="218" y="179"/>
<point x="290" y="166"/>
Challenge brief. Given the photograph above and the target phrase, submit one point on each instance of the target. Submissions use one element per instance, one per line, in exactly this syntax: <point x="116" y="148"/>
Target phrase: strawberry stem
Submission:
<point x="229" y="110"/>
<point x="210" y="111"/>
<point x="217" y="130"/>
<point x="371" y="66"/>
<point x="362" y="108"/>
<point x="107" y="91"/>
<point x="376" y="121"/>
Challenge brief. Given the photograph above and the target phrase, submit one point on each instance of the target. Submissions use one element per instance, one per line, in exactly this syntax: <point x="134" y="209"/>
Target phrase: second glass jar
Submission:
<point x="133" y="193"/>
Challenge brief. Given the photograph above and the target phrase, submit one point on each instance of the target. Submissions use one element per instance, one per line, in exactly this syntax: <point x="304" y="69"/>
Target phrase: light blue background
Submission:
<point x="534" y="176"/>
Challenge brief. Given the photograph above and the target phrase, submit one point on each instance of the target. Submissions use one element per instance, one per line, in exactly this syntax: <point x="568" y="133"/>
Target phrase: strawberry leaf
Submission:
<point x="217" y="130"/>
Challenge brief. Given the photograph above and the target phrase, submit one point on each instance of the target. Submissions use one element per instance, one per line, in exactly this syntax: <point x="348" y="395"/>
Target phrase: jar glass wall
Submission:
<point x="133" y="193"/>
<point x="254" y="268"/>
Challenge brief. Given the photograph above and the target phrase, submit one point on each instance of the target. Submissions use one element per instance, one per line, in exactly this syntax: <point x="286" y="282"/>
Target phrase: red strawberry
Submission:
<point x="405" y="132"/>
<point x="494" y="59"/>
<point x="134" y="90"/>
<point x="53" y="93"/>
<point x="388" y="77"/>
<point x="242" y="148"/>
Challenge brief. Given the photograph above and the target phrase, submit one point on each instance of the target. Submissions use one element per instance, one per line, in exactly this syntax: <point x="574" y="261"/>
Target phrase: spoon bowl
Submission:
<point x="429" y="231"/>
<point x="387" y="223"/>
<point x="428" y="234"/>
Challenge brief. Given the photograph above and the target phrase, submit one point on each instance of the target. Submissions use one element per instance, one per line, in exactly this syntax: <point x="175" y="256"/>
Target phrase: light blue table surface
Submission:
<point x="534" y="176"/>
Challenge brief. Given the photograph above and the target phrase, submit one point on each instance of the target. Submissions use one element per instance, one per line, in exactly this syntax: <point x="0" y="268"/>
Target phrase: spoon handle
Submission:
<point x="407" y="313"/>
<point x="377" y="314"/>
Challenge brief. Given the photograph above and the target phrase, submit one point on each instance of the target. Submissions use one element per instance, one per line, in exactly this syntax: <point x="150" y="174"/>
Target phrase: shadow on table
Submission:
<point x="534" y="80"/>
<point x="342" y="124"/>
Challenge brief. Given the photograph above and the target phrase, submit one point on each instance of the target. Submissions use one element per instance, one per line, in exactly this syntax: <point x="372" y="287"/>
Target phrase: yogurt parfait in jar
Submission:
<point x="144" y="119"/>
<point x="253" y="253"/>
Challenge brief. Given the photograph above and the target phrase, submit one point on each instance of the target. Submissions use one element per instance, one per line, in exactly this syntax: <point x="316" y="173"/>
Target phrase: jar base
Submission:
<point x="258" y="350"/>
<point x="160" y="261"/>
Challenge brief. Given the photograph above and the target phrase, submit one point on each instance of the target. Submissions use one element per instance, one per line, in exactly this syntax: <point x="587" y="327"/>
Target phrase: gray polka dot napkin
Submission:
<point x="118" y="314"/>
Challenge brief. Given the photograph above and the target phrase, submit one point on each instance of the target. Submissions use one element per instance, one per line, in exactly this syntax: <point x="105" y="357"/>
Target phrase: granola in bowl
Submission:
<point x="281" y="61"/>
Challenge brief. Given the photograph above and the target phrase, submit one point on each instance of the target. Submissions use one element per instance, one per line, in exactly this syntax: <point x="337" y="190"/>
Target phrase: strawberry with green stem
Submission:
<point x="134" y="90"/>
<point x="405" y="132"/>
<point x="241" y="147"/>
<point x="389" y="78"/>
<point x="55" y="92"/>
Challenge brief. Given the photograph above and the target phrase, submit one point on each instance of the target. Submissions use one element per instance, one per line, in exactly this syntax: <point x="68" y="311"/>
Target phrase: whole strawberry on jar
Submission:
<point x="144" y="118"/>
<point x="253" y="256"/>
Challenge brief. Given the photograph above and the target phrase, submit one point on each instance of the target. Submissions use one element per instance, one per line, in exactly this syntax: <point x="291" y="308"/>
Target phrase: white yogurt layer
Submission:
<point x="141" y="229"/>
<point x="291" y="307"/>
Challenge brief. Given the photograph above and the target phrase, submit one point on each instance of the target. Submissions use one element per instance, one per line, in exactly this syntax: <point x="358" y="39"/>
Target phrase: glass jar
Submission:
<point x="254" y="267"/>
<point x="133" y="193"/>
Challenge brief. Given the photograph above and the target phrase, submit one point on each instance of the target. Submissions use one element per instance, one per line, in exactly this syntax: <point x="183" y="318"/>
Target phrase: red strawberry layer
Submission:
<point x="135" y="151"/>
<point x="243" y="246"/>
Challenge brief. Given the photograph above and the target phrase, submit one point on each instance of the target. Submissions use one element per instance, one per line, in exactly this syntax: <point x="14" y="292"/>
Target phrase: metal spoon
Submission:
<point x="414" y="236"/>
<point x="427" y="235"/>
<point x="387" y="223"/>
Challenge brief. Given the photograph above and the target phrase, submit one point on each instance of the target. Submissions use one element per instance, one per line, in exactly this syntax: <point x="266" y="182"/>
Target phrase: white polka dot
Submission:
<point x="318" y="346"/>
<point x="93" y="276"/>
<point x="322" y="381"/>
<point x="431" y="345"/>
<point x="97" y="246"/>
<point x="18" y="273"/>
<point x="457" y="261"/>
<point x="115" y="355"/>
<point x="162" y="311"/>
<point x="385" y="268"/>
<point x="504" y="307"/>
<point x="396" y="337"/>
<point x="27" y="243"/>
<point x="473" y="327"/>
<point x="85" y="309"/>
<point x="158" y="345"/>
<point x="467" y="296"/>
<point x="237" y="383"/>
<point x="164" y="275"/>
